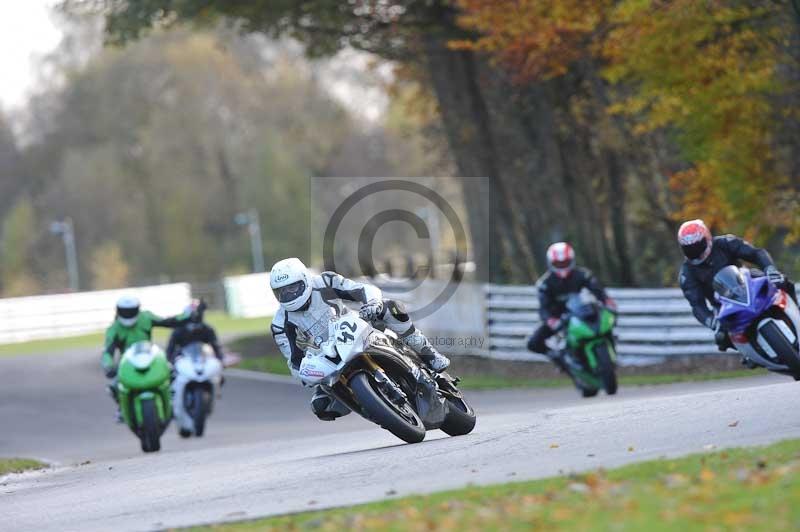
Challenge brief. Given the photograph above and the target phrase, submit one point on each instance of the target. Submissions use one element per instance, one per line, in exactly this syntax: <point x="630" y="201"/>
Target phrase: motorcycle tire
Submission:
<point x="150" y="431"/>
<point x="605" y="369"/>
<point x="460" y="419"/>
<point x="378" y="409"/>
<point x="785" y="351"/>
<point x="199" y="410"/>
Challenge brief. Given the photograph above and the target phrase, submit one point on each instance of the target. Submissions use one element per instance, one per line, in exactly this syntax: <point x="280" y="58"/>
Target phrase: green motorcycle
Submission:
<point x="143" y="389"/>
<point x="590" y="355"/>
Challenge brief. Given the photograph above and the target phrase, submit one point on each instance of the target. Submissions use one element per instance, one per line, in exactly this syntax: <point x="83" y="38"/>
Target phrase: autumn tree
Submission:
<point x="704" y="73"/>
<point x="406" y="31"/>
<point x="710" y="72"/>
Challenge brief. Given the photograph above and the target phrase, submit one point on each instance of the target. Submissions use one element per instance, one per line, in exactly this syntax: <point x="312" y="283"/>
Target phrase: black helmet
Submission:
<point x="195" y="310"/>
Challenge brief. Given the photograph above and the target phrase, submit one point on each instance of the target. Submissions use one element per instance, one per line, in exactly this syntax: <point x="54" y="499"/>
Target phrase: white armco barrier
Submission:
<point x="456" y="326"/>
<point x="249" y="296"/>
<point x="60" y="315"/>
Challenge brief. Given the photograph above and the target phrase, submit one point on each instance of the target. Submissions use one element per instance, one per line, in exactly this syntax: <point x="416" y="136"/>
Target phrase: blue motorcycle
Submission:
<point x="760" y="318"/>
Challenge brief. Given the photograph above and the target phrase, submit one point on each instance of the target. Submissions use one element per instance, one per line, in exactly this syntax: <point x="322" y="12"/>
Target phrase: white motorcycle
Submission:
<point x="198" y="375"/>
<point x="384" y="381"/>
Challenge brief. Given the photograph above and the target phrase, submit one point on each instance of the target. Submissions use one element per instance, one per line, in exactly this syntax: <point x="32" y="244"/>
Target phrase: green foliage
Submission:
<point x="19" y="232"/>
<point x="710" y="72"/>
<point x="625" y="117"/>
<point x="108" y="267"/>
<point x="154" y="148"/>
<point x="387" y="28"/>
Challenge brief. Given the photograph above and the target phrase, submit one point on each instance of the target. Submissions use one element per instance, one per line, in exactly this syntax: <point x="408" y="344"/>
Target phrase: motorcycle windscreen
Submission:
<point x="193" y="350"/>
<point x="582" y="307"/>
<point x="730" y="284"/>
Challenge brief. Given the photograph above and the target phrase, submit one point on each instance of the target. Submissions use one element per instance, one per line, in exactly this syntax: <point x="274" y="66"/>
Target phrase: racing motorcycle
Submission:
<point x="384" y="381"/>
<point x="760" y="318"/>
<point x="198" y="375"/>
<point x="587" y="341"/>
<point x="144" y="394"/>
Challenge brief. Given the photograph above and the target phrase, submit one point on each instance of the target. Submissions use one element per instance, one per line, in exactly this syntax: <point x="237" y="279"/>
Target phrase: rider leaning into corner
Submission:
<point x="554" y="288"/>
<point x="131" y="325"/>
<point x="705" y="256"/>
<point x="307" y="303"/>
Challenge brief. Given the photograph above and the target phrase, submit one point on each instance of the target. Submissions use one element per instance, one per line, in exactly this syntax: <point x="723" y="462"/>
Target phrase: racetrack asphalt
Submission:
<point x="265" y="453"/>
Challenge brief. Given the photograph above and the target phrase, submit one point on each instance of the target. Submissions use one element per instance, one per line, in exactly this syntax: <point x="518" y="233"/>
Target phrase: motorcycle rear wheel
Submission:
<point x="460" y="419"/>
<point x="408" y="427"/>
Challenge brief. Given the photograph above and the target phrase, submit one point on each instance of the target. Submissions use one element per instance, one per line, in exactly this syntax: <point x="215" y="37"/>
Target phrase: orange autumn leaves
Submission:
<point x="706" y="73"/>
<point x="536" y="39"/>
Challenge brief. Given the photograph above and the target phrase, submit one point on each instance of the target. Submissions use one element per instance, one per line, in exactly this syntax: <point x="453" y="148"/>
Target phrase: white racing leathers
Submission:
<point x="296" y="331"/>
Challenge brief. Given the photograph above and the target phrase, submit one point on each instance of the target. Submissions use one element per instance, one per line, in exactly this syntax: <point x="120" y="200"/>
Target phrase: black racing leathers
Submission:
<point x="191" y="333"/>
<point x="696" y="280"/>
<point x="553" y="293"/>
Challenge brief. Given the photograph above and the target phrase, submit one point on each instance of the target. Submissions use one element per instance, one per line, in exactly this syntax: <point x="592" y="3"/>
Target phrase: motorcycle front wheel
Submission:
<point x="605" y="368"/>
<point x="150" y="432"/>
<point x="198" y="408"/>
<point x="782" y="347"/>
<point x="403" y="422"/>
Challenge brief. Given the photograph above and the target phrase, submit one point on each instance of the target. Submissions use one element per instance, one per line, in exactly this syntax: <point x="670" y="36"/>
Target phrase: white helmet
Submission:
<point x="128" y="310"/>
<point x="291" y="283"/>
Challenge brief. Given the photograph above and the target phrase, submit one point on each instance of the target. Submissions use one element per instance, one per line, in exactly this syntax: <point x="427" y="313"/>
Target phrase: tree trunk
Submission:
<point x="494" y="230"/>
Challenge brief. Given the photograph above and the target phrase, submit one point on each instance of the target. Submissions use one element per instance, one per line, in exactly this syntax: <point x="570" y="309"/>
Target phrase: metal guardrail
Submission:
<point x="653" y="323"/>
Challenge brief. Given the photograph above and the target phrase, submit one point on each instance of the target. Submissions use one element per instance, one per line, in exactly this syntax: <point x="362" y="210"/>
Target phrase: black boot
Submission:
<point x="723" y="341"/>
<point x="112" y="391"/>
<point x="558" y="358"/>
<point x="749" y="364"/>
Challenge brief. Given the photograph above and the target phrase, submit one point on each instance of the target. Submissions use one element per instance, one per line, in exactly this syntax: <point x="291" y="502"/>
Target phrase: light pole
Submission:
<point x="67" y="232"/>
<point x="431" y="217"/>
<point x="251" y="219"/>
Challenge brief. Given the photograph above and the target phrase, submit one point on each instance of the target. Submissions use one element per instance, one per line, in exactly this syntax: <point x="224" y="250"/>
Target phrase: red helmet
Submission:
<point x="561" y="259"/>
<point x="695" y="240"/>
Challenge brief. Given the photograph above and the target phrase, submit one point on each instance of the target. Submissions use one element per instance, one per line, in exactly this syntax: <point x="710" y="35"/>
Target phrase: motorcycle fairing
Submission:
<point x="744" y="320"/>
<point x="737" y="315"/>
<point x="194" y="367"/>
<point x="350" y="338"/>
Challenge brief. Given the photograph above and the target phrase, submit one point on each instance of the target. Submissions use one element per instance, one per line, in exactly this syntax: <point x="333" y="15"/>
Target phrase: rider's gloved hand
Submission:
<point x="554" y="323"/>
<point x="774" y="276"/>
<point x="610" y="304"/>
<point x="107" y="362"/>
<point x="371" y="310"/>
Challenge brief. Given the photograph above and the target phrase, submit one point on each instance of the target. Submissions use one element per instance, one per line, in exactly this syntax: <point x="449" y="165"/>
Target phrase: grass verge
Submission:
<point x="224" y="324"/>
<point x="755" y="488"/>
<point x="275" y="363"/>
<point x="268" y="364"/>
<point x="18" y="465"/>
<point x="495" y="382"/>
